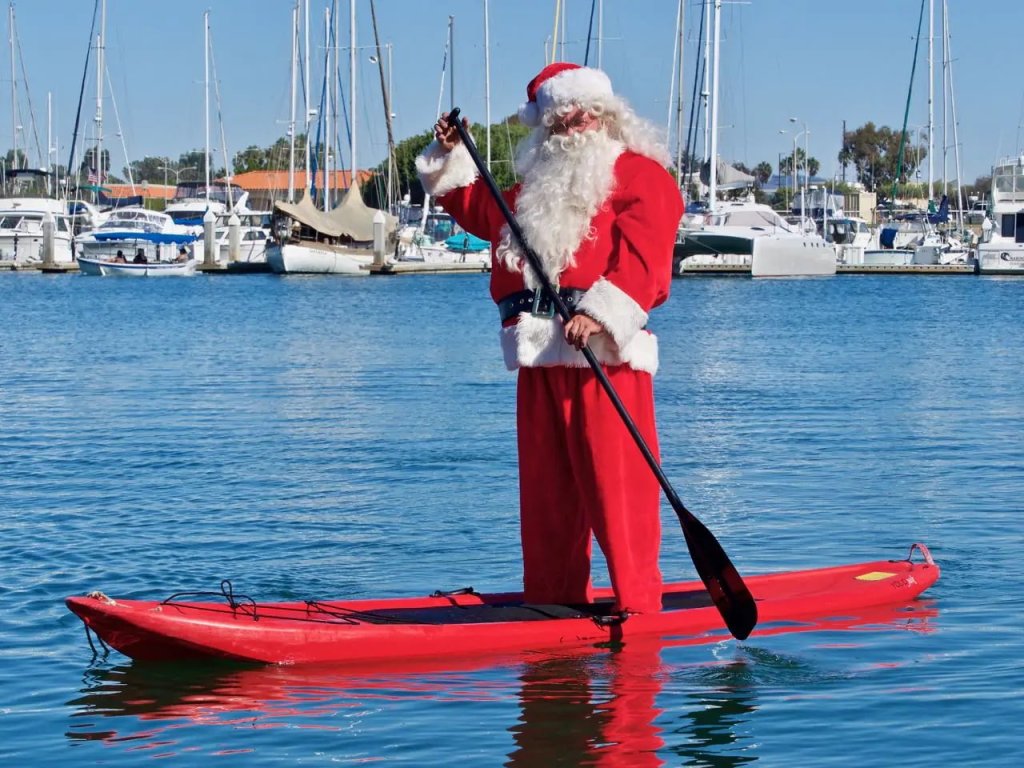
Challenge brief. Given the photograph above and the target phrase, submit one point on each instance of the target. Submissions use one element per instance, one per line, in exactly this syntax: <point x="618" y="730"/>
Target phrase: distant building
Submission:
<point x="264" y="187"/>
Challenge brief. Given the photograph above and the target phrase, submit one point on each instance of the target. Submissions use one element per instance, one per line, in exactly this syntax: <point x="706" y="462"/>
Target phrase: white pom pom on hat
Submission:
<point x="563" y="83"/>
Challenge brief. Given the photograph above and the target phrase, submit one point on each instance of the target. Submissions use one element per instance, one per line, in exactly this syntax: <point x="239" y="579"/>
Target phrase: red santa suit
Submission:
<point x="581" y="473"/>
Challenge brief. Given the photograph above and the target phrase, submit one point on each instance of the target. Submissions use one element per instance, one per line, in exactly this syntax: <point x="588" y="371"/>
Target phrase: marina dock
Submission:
<point x="426" y="268"/>
<point x="706" y="270"/>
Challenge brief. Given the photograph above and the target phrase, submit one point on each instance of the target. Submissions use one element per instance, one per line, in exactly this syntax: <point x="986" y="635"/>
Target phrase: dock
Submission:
<point x="905" y="269"/>
<point x="426" y="268"/>
<point x="21" y="266"/>
<point x="714" y="269"/>
<point x="841" y="269"/>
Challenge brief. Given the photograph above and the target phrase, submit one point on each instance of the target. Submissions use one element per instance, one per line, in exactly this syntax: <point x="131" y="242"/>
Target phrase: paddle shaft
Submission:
<point x="716" y="571"/>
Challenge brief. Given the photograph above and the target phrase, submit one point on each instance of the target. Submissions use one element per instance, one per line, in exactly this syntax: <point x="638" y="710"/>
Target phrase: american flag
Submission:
<point x="93" y="177"/>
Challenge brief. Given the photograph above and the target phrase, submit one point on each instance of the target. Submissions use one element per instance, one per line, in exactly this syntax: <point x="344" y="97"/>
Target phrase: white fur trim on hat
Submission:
<point x="615" y="309"/>
<point x="538" y="342"/>
<point x="441" y="172"/>
<point x="582" y="85"/>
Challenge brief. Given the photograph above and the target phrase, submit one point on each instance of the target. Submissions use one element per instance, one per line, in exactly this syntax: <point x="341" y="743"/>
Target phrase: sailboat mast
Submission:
<point x="14" y="89"/>
<point x="487" y="78"/>
<point x="326" y="117"/>
<point x="49" y="136"/>
<point x="679" y="99"/>
<point x="386" y="90"/>
<point x="100" y="68"/>
<point x="705" y="93"/>
<point x="291" y="124"/>
<point x="206" y="97"/>
<point x="444" y="63"/>
<point x="354" y="181"/>
<point x="952" y="106"/>
<point x="714" y="109"/>
<point x="931" y="95"/>
<point x="305" y="25"/>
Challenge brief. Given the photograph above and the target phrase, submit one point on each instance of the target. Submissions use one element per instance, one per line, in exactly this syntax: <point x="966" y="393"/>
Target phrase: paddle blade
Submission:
<point x="723" y="581"/>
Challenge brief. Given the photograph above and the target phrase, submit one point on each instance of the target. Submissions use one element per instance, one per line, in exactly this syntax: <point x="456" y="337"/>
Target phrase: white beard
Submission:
<point x="566" y="179"/>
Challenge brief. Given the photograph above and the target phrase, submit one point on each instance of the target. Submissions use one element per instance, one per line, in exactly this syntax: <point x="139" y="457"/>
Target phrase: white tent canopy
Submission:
<point x="351" y="218"/>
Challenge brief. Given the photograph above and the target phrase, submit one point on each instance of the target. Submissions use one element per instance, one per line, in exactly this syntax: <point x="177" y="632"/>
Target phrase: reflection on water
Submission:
<point x="590" y="711"/>
<point x="622" y="705"/>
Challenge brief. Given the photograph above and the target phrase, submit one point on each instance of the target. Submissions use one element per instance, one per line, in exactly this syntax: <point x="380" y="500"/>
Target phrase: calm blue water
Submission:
<point x="331" y="438"/>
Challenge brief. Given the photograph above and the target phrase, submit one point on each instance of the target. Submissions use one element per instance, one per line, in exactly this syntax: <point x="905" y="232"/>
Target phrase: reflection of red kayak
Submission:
<point x="461" y="624"/>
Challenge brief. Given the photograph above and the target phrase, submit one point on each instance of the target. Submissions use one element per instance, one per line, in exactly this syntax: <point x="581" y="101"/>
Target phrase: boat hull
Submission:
<point x="290" y="259"/>
<point x="888" y="257"/>
<point x="1003" y="259"/>
<point x="791" y="257"/>
<point x="456" y="625"/>
<point x="101" y="268"/>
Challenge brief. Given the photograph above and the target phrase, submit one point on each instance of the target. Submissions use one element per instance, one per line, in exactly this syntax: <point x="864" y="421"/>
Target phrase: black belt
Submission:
<point x="538" y="304"/>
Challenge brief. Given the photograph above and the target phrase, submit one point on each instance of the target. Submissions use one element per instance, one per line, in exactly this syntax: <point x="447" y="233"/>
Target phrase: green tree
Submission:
<point x="786" y="164"/>
<point x="195" y="160"/>
<point x="762" y="172"/>
<point x="89" y="164"/>
<point x="150" y="169"/>
<point x="875" y="156"/>
<point x="252" y="158"/>
<point x="9" y="162"/>
<point x="505" y="136"/>
<point x="277" y="153"/>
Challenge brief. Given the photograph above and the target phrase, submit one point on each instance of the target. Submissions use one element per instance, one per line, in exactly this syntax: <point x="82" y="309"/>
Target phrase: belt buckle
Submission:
<point x="543" y="305"/>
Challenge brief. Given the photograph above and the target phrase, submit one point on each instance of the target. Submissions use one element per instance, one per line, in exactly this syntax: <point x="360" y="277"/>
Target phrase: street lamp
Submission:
<point x="792" y="169"/>
<point x="176" y="171"/>
<point x="806" y="134"/>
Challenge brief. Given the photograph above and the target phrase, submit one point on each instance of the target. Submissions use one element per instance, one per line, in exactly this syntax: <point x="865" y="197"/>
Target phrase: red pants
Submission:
<point x="580" y="472"/>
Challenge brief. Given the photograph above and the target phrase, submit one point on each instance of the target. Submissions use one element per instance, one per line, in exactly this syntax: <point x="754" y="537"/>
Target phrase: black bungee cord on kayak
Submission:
<point x="227" y="591"/>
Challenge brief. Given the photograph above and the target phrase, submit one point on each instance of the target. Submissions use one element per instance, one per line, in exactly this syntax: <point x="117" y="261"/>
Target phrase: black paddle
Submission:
<point x="723" y="581"/>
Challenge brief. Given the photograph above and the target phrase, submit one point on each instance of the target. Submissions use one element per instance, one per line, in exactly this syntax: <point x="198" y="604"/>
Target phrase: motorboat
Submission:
<point x="743" y="234"/>
<point x="254" y="236"/>
<point x="115" y="268"/>
<point x="27" y="202"/>
<point x="129" y="232"/>
<point x="192" y="199"/>
<point x="438" y="239"/>
<point x="1001" y="248"/>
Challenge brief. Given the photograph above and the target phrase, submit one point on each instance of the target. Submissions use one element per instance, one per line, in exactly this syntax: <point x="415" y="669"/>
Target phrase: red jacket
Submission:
<point x="626" y="268"/>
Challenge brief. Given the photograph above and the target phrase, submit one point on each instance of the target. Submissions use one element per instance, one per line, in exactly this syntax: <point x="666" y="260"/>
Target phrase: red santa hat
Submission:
<point x="563" y="83"/>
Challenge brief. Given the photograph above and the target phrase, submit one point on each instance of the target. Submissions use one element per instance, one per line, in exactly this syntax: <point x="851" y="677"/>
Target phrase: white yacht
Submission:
<point x="850" y="236"/>
<point x="193" y="198"/>
<point x="25" y="203"/>
<point x="438" y="239"/>
<point x="748" y="234"/>
<point x="254" y="236"/>
<point x="127" y="232"/>
<point x="1001" y="249"/>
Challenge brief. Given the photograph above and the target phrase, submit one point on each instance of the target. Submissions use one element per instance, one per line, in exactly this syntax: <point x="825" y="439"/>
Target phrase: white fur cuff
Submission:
<point x="441" y="172"/>
<point x="615" y="310"/>
<point x="538" y="342"/>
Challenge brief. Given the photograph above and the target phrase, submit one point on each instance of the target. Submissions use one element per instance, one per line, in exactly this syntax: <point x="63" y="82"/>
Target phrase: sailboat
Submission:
<point x="308" y="240"/>
<point x="735" y="235"/>
<point x="34" y="222"/>
<point x="192" y="199"/>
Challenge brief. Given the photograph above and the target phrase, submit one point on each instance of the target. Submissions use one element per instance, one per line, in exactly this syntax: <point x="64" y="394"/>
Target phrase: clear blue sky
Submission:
<point x="823" y="61"/>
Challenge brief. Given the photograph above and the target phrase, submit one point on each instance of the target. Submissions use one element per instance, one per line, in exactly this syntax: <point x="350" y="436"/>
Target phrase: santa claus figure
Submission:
<point x="598" y="207"/>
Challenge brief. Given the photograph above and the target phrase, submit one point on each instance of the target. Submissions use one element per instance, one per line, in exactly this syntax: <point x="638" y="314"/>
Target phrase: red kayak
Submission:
<point x="465" y="623"/>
